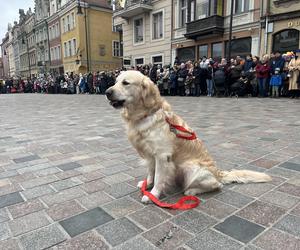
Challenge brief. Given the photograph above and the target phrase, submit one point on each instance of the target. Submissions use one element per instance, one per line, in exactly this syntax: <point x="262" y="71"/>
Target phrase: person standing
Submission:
<point x="294" y="71"/>
<point x="182" y="74"/>
<point x="262" y="74"/>
<point x="275" y="83"/>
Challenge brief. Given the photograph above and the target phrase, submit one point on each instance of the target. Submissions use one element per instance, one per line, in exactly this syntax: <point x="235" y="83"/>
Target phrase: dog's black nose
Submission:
<point x="109" y="93"/>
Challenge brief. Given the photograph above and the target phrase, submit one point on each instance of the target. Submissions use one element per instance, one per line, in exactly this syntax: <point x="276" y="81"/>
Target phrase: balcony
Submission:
<point x="213" y="25"/>
<point x="133" y="8"/>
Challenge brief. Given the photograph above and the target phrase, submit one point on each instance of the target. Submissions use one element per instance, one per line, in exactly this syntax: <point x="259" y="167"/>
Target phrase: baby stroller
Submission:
<point x="219" y="81"/>
<point x="241" y="87"/>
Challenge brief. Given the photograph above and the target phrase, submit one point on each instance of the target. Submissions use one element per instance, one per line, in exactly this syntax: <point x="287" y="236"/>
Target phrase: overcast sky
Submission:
<point x="10" y="12"/>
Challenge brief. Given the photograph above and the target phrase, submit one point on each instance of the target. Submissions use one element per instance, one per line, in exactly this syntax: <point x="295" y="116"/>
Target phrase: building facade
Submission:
<point x="146" y="31"/>
<point x="282" y="19"/>
<point x="4" y="52"/>
<point x="201" y="28"/>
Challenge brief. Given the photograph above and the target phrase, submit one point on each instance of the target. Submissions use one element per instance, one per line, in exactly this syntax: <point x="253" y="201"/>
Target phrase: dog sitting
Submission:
<point x="170" y="160"/>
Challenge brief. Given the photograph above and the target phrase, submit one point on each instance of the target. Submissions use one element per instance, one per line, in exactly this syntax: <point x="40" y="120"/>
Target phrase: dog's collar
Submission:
<point x="181" y="132"/>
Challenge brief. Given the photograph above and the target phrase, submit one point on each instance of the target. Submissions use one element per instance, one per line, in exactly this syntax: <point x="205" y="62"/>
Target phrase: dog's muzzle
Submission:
<point x="112" y="101"/>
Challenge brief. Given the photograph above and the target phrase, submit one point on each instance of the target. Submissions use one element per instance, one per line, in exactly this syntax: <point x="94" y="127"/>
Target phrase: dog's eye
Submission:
<point x="125" y="82"/>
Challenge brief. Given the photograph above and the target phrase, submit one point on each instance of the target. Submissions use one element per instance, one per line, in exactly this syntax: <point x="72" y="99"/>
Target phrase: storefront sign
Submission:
<point x="294" y="24"/>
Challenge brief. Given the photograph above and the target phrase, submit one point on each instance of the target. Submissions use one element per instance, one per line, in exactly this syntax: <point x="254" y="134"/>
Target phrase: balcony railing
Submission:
<point x="133" y="8"/>
<point x="213" y="25"/>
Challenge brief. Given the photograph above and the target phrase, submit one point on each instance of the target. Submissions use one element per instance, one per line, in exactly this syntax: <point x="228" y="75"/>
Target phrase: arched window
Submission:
<point x="286" y="40"/>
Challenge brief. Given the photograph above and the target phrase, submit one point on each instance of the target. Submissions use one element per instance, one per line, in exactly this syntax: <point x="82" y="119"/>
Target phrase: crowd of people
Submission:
<point x="272" y="75"/>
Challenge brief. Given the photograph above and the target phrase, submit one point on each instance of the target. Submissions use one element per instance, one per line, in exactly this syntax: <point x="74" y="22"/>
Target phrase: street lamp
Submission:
<point x="230" y="30"/>
<point x="80" y="13"/>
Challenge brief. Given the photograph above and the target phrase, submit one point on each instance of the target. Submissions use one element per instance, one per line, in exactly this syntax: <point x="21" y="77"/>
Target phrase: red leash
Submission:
<point x="177" y="129"/>
<point x="181" y="204"/>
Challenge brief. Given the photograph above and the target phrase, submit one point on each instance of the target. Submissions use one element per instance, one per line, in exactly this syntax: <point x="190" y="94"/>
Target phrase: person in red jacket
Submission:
<point x="262" y="74"/>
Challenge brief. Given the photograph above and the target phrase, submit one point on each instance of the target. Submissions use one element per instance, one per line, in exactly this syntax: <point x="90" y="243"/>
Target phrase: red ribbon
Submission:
<point x="174" y="128"/>
<point x="181" y="204"/>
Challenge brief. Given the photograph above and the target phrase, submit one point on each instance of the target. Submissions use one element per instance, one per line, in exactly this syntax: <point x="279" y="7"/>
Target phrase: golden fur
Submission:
<point x="170" y="160"/>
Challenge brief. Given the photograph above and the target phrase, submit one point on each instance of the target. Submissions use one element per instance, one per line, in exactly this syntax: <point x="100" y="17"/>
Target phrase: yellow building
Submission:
<point x="88" y="43"/>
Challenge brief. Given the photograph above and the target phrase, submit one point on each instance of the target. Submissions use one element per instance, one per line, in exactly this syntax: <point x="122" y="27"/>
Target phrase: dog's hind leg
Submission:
<point x="164" y="174"/>
<point x="199" y="180"/>
<point x="150" y="165"/>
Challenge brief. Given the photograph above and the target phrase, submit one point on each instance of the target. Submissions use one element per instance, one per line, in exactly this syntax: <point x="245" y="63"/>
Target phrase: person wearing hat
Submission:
<point x="276" y="82"/>
<point x="294" y="72"/>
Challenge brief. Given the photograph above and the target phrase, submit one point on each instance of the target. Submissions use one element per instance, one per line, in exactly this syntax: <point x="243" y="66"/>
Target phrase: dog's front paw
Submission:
<point x="145" y="199"/>
<point x="140" y="184"/>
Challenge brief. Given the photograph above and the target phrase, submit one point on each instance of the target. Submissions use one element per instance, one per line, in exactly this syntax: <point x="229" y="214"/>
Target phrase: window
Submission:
<point x="73" y="20"/>
<point x="50" y="36"/>
<point x="203" y="51"/>
<point x="138" y="30"/>
<point x="68" y="23"/>
<point x="74" y="47"/>
<point x="65" y="50"/>
<point x="58" y="53"/>
<point x="57" y="30"/>
<point x="286" y="40"/>
<point x="241" y="6"/>
<point x="239" y="47"/>
<point x="52" y="54"/>
<point x="157" y="60"/>
<point x="186" y="54"/>
<point x="127" y="62"/>
<point x="70" y="48"/>
<point x="45" y="34"/>
<point x="183" y="13"/>
<point x="139" y="61"/>
<point x="157" y="31"/>
<point x="116" y="48"/>
<point x="216" y="51"/>
<point x="64" y="25"/>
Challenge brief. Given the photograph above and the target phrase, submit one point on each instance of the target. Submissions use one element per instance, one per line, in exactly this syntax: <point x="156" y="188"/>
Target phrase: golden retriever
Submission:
<point x="170" y="160"/>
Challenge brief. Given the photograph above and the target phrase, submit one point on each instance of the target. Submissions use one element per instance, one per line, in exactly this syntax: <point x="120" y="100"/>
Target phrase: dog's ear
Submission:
<point x="150" y="93"/>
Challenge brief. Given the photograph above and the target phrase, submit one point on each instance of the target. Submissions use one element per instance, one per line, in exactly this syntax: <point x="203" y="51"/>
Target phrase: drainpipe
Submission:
<point x="266" y="27"/>
<point x="172" y="27"/>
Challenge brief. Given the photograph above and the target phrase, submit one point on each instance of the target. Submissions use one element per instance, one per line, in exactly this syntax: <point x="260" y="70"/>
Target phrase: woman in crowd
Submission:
<point x="262" y="74"/>
<point x="182" y="75"/>
<point x="196" y="79"/>
<point x="294" y="71"/>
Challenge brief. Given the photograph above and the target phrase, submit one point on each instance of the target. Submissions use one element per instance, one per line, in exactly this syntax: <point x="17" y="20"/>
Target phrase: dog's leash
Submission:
<point x="181" y="204"/>
<point x="176" y="129"/>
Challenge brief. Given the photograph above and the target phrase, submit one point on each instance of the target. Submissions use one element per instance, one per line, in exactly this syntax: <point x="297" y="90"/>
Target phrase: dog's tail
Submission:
<point x="243" y="176"/>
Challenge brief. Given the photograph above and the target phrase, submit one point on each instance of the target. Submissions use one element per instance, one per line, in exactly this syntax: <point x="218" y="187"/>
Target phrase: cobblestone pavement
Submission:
<point x="68" y="177"/>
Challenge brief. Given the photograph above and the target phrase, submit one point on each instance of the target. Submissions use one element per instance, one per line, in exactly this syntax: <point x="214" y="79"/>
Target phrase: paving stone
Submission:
<point x="234" y="198"/>
<point x="42" y="238"/>
<point x="91" y="176"/>
<point x="34" y="168"/>
<point x="211" y="240"/>
<point x="10" y="199"/>
<point x="296" y="210"/>
<point x="85" y="221"/>
<point x="8" y="189"/>
<point x="281" y="172"/>
<point x="280" y="199"/>
<point x="290" y="165"/>
<point x="276" y="240"/>
<point x="253" y="189"/>
<point x="117" y="178"/>
<point x="89" y="240"/>
<point x="118" y="231"/>
<point x="290" y="189"/>
<point x="4" y="231"/>
<point x="28" y="223"/>
<point x="121" y="207"/>
<point x="22" y="177"/>
<point x="136" y="243"/>
<point x="94" y="200"/>
<point x="7" y="174"/>
<point x="47" y="171"/>
<point x="4" y="182"/>
<point x="94" y="186"/>
<point x="4" y="215"/>
<point x="149" y="216"/>
<point x="137" y="172"/>
<point x="25" y="208"/>
<point x="114" y="169"/>
<point x="68" y="174"/>
<point x="193" y="221"/>
<point x="216" y="208"/>
<point x="65" y="195"/>
<point x="10" y="244"/>
<point x="167" y="236"/>
<point x="239" y="229"/>
<point x="37" y="192"/>
<point x="295" y="180"/>
<point x="39" y="181"/>
<point x="26" y="158"/>
<point x="64" y="210"/>
<point x="120" y="190"/>
<point x="264" y="163"/>
<point x="67" y="183"/>
<point x="290" y="224"/>
<point x="69" y="166"/>
<point x="261" y="213"/>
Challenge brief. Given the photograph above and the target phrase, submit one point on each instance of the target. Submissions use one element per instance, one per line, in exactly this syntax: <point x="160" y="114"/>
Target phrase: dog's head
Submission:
<point x="133" y="89"/>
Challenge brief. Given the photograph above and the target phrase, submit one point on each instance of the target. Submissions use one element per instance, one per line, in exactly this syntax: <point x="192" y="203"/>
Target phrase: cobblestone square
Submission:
<point x="68" y="176"/>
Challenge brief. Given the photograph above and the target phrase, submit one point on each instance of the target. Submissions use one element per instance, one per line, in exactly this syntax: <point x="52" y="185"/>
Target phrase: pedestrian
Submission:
<point x="294" y="71"/>
<point x="182" y="75"/>
<point x="262" y="74"/>
<point x="276" y="82"/>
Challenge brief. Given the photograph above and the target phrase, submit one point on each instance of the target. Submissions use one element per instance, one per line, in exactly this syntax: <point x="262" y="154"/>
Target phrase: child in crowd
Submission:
<point x="276" y="82"/>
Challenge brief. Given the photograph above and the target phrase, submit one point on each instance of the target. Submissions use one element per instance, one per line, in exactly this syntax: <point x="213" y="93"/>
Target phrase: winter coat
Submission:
<point x="277" y="63"/>
<point x="197" y="74"/>
<point x="182" y="74"/>
<point x="248" y="65"/>
<point x="262" y="70"/>
<point x="276" y="80"/>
